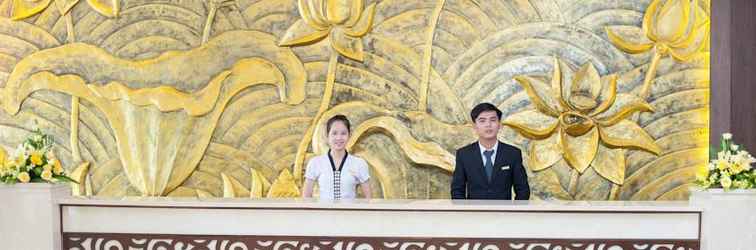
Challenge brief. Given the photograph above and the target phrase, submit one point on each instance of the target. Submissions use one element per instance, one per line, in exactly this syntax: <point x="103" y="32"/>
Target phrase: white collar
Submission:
<point x="483" y="149"/>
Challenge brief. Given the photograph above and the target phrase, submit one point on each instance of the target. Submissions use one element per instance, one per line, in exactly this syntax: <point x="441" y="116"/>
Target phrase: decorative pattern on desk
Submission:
<point x="80" y="241"/>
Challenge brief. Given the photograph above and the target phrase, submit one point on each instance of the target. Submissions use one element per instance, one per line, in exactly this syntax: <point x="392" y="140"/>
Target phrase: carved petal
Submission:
<point x="338" y="11"/>
<point x="627" y="134"/>
<point x="608" y="95"/>
<point x="648" y="18"/>
<point x="300" y="34"/>
<point x="312" y="14"/>
<point x="693" y="25"/>
<point x="624" y="106"/>
<point x="232" y="188"/>
<point x="688" y="49"/>
<point x="284" y="186"/>
<point x="23" y="8"/>
<point x="80" y="175"/>
<point x="610" y="164"/>
<point x="363" y="25"/>
<point x="203" y="194"/>
<point x="580" y="151"/>
<point x="557" y="86"/>
<point x="626" y="46"/>
<point x="258" y="184"/>
<point x="585" y="88"/>
<point x="672" y="20"/>
<point x="355" y="13"/>
<point x="108" y="8"/>
<point x="544" y="102"/>
<point x="5" y="9"/>
<point x="532" y="124"/>
<point x="544" y="153"/>
<point x="346" y="45"/>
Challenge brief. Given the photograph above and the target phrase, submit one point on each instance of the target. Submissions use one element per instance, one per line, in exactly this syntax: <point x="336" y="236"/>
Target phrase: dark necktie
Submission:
<point x="488" y="165"/>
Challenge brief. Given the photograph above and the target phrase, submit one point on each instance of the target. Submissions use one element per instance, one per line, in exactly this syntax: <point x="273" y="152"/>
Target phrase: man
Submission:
<point x="488" y="169"/>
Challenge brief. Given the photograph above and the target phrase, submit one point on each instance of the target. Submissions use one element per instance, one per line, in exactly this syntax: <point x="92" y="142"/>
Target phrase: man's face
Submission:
<point x="487" y="125"/>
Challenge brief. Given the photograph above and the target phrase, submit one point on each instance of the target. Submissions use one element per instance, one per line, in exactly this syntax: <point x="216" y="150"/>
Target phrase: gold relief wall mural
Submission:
<point x="228" y="98"/>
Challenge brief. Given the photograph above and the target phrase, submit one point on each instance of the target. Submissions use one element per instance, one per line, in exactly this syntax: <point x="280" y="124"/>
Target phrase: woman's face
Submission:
<point x="338" y="136"/>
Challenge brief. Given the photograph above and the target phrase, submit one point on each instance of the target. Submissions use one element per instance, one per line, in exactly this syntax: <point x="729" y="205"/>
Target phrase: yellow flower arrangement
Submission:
<point x="34" y="161"/>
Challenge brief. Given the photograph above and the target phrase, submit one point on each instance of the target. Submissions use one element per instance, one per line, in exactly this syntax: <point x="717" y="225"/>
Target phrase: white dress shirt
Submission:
<point x="493" y="156"/>
<point x="353" y="172"/>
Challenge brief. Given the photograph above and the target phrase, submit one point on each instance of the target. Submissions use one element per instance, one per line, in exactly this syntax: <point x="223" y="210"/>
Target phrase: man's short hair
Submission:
<point x="483" y="107"/>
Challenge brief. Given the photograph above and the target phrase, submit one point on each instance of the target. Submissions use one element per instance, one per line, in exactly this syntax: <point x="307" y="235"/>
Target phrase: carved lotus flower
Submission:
<point x="677" y="29"/>
<point x="345" y="22"/>
<point x="581" y="121"/>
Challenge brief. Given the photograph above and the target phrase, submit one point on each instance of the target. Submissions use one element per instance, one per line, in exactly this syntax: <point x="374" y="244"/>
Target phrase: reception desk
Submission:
<point x="152" y="223"/>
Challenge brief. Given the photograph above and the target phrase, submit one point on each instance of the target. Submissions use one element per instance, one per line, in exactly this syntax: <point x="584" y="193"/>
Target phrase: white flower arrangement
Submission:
<point x="730" y="170"/>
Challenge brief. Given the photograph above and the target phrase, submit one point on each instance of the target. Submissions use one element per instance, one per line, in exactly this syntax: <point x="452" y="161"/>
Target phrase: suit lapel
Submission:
<point x="500" y="159"/>
<point x="477" y="164"/>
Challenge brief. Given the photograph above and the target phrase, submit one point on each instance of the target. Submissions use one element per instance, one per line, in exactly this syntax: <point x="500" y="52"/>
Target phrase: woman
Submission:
<point x="337" y="172"/>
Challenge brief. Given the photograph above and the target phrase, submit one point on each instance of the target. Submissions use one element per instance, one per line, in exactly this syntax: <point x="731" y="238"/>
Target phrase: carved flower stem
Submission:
<point x="650" y="74"/>
<point x="428" y="56"/>
<point x="209" y="21"/>
<point x="574" y="177"/>
<point x="70" y="35"/>
<point x="324" y="103"/>
<point x="74" y="139"/>
<point x="644" y="93"/>
<point x="614" y="194"/>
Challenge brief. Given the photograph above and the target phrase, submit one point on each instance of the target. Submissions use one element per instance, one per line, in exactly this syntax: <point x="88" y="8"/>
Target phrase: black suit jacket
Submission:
<point x="470" y="181"/>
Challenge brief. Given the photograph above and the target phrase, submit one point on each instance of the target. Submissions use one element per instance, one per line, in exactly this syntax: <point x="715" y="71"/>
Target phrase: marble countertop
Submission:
<point x="387" y="204"/>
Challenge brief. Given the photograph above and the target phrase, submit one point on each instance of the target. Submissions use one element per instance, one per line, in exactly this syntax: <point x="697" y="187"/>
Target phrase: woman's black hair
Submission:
<point x="338" y="118"/>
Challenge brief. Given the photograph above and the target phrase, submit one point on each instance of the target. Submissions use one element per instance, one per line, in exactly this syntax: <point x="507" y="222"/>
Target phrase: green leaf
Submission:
<point x="37" y="171"/>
